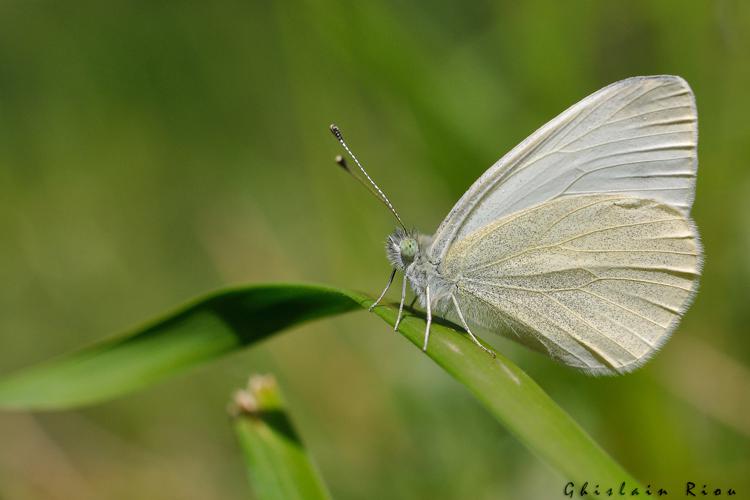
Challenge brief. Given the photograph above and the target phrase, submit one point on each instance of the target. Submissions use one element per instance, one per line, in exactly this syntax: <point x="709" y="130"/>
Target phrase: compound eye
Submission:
<point x="408" y="248"/>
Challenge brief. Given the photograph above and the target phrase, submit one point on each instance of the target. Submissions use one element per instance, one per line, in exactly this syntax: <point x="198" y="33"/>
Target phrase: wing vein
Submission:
<point x="625" y="139"/>
<point x="560" y="243"/>
<point x="582" y="250"/>
<point x="534" y="311"/>
<point x="574" y="288"/>
<point x="594" y="294"/>
<point x="607" y="120"/>
<point x="601" y="334"/>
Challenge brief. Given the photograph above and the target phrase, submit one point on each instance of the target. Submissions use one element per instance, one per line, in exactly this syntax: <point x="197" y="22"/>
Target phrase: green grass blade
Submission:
<point x="227" y="321"/>
<point x="516" y="401"/>
<point x="204" y="330"/>
<point x="277" y="464"/>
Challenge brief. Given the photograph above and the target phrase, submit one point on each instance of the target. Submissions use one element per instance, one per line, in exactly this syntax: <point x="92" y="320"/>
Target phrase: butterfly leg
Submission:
<point x="463" y="321"/>
<point x="390" y="280"/>
<point x="429" y="319"/>
<point x="401" y="305"/>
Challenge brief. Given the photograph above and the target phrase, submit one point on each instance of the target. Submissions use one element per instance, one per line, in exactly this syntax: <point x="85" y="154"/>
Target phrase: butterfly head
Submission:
<point x="402" y="248"/>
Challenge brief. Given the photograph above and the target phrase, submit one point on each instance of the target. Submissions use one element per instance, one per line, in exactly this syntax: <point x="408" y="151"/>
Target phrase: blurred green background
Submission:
<point x="151" y="151"/>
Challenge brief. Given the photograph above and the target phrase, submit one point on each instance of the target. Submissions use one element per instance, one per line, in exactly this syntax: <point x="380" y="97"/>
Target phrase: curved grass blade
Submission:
<point x="227" y="321"/>
<point x="204" y="330"/>
<point x="277" y="464"/>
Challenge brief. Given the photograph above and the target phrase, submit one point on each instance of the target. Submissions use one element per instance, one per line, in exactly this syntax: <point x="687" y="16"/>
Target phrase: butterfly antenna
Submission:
<point x="341" y="162"/>
<point x="372" y="187"/>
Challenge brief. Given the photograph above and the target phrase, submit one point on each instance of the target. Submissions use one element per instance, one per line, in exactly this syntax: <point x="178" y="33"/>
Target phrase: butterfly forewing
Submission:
<point x="636" y="137"/>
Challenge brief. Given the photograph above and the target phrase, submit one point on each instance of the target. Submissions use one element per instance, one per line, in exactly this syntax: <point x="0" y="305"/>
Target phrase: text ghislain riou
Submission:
<point x="690" y="489"/>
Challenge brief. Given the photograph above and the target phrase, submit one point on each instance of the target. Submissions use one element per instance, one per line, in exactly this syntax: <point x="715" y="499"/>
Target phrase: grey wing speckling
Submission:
<point x="596" y="281"/>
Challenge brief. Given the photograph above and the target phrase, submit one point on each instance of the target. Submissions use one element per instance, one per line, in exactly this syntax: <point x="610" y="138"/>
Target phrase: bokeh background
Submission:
<point x="152" y="151"/>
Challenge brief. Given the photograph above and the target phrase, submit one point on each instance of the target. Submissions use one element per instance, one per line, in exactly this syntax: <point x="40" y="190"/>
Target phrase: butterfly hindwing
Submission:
<point x="596" y="281"/>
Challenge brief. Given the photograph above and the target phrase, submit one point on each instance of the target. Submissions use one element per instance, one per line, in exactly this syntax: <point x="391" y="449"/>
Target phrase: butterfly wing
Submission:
<point x="596" y="281"/>
<point x="637" y="137"/>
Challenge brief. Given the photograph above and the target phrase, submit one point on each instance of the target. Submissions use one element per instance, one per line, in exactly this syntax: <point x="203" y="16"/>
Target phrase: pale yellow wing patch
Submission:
<point x="596" y="281"/>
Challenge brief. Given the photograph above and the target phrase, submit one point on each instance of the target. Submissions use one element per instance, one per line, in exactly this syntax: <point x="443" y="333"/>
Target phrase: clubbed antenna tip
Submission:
<point x="341" y="162"/>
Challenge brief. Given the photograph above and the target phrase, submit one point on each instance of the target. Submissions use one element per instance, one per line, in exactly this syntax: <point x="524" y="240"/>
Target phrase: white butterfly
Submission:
<point x="577" y="243"/>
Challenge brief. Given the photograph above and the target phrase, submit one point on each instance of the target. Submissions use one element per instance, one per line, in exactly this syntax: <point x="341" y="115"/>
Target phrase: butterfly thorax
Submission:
<point x="408" y="252"/>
